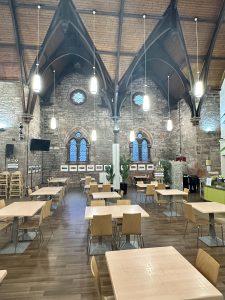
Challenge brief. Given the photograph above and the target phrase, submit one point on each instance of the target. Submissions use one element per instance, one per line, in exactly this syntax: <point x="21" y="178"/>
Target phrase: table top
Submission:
<point x="87" y="186"/>
<point x="47" y="191"/>
<point x="3" y="273"/>
<point x="140" y="176"/>
<point x="83" y="179"/>
<point x="171" y="192"/>
<point x="116" y="211"/>
<point x="144" y="185"/>
<point x="208" y="207"/>
<point x="59" y="180"/>
<point x="157" y="273"/>
<point x="106" y="195"/>
<point x="21" y="209"/>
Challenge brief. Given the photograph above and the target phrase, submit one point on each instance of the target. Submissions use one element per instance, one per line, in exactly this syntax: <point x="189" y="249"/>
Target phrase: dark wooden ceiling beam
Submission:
<point x="23" y="74"/>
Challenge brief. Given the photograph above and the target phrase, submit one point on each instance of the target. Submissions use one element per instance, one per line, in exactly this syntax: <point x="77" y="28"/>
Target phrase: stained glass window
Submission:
<point x="83" y="150"/>
<point x="78" y="97"/>
<point x="73" y="150"/>
<point x="135" y="153"/>
<point x="144" y="152"/>
<point x="140" y="148"/>
<point x="138" y="98"/>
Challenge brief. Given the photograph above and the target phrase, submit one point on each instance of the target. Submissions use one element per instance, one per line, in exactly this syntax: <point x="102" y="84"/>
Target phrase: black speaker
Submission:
<point x="9" y="150"/>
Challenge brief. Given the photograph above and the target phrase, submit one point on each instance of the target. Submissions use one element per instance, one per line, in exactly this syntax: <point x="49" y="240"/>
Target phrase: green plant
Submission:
<point x="110" y="174"/>
<point x="124" y="167"/>
<point x="167" y="170"/>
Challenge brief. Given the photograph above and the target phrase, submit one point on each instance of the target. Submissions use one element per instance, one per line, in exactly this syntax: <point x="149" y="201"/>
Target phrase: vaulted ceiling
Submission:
<point x="67" y="41"/>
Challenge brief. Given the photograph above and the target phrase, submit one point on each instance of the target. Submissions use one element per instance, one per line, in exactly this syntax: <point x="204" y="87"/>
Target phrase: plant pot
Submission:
<point x="123" y="187"/>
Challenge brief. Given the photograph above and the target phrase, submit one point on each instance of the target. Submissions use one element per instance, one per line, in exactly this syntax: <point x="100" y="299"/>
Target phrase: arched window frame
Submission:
<point x="78" y="141"/>
<point x="139" y="141"/>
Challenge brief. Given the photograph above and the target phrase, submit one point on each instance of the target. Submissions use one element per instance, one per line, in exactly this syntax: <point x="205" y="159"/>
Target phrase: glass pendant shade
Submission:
<point x="146" y="103"/>
<point x="94" y="85"/>
<point x="132" y="136"/>
<point x="53" y="123"/>
<point x="36" y="83"/>
<point x="93" y="135"/>
<point x="198" y="89"/>
<point x="169" y="125"/>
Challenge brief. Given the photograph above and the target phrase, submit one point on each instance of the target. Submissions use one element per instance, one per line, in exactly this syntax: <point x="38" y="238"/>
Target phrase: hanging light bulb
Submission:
<point x="146" y="100"/>
<point x="146" y="103"/>
<point x="132" y="136"/>
<point x="36" y="80"/>
<point x="169" y="125"/>
<point x="94" y="81"/>
<point x="198" y="87"/>
<point x="93" y="135"/>
<point x="53" y="122"/>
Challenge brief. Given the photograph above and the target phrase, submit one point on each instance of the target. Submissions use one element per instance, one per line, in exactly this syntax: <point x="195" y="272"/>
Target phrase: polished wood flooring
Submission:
<point x="59" y="270"/>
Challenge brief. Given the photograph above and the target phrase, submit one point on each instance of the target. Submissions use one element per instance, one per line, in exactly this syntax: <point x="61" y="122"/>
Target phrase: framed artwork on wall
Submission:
<point x="90" y="168"/>
<point x="141" y="167"/>
<point x="64" y="168"/>
<point x="106" y="166"/>
<point x="99" y="168"/>
<point x="81" y="168"/>
<point x="133" y="167"/>
<point x="150" y="167"/>
<point x="73" y="168"/>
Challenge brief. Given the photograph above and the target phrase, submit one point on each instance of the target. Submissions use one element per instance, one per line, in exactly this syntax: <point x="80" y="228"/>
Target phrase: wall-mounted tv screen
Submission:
<point x="39" y="145"/>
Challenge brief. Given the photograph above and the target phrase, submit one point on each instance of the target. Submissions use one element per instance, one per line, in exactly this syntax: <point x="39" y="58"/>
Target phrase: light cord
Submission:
<point x="196" y="34"/>
<point x="131" y="101"/>
<point x="94" y="13"/>
<point x="144" y="17"/>
<point x="168" y="92"/>
<point x="38" y="38"/>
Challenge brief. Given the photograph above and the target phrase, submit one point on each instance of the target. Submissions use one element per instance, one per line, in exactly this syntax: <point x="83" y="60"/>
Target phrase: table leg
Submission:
<point x="14" y="231"/>
<point x="211" y="240"/>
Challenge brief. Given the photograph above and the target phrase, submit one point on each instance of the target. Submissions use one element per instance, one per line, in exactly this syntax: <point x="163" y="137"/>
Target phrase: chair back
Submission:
<point x="95" y="273"/>
<point x="207" y="265"/>
<point x="106" y="187"/>
<point x="101" y="225"/>
<point x="29" y="192"/>
<point x="150" y="190"/>
<point x="42" y="214"/>
<point x="97" y="203"/>
<point x="87" y="180"/>
<point x="131" y="224"/>
<point x="48" y="206"/>
<point x="93" y="188"/>
<point x="123" y="202"/>
<point x="2" y="203"/>
<point x="189" y="212"/>
<point x="36" y="188"/>
<point x="161" y="186"/>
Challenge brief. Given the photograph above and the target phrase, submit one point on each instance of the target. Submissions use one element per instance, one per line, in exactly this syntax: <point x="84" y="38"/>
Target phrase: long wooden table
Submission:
<point x="116" y="211"/>
<point x="210" y="208"/>
<point x="3" y="273"/>
<point x="157" y="274"/>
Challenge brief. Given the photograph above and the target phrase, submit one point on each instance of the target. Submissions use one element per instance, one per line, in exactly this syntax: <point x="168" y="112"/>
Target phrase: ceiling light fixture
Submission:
<point x="198" y="87"/>
<point x="169" y="125"/>
<point x="36" y="80"/>
<point x="94" y="81"/>
<point x="146" y="101"/>
<point x="53" y="123"/>
<point x="132" y="135"/>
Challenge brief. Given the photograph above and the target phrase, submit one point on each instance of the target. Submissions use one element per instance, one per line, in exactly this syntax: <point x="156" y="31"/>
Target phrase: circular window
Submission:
<point x="78" y="135"/>
<point x="78" y="97"/>
<point x="139" y="135"/>
<point x="138" y="98"/>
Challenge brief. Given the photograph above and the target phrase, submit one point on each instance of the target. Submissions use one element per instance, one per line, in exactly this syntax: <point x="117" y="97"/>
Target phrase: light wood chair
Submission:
<point x="139" y="191"/>
<point x="161" y="186"/>
<point x="123" y="202"/>
<point x="2" y="203"/>
<point x="207" y="265"/>
<point x="158" y="202"/>
<point x="4" y="221"/>
<point x="95" y="273"/>
<point x="97" y="203"/>
<point x="106" y="187"/>
<point x="195" y="220"/>
<point x="131" y="225"/>
<point x="93" y="188"/>
<point x="150" y="189"/>
<point x="36" y="188"/>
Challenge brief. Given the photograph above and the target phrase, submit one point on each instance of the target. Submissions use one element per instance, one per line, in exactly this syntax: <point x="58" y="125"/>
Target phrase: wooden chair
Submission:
<point x="190" y="217"/>
<point x="93" y="188"/>
<point x="161" y="186"/>
<point x="123" y="202"/>
<point x="131" y="225"/>
<point x="97" y="203"/>
<point x="36" y="188"/>
<point x="207" y="265"/>
<point x="4" y="222"/>
<point x="95" y="273"/>
<point x="139" y="191"/>
<point x="149" y="192"/>
<point x="106" y="187"/>
<point x="2" y="203"/>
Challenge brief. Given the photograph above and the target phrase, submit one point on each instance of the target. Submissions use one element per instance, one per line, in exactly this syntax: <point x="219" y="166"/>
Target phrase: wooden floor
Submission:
<point x="60" y="270"/>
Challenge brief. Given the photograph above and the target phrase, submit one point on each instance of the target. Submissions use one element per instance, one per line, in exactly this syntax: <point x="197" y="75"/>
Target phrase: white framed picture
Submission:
<point x="64" y="168"/>
<point x="105" y="166"/>
<point x="90" y="168"/>
<point x="81" y="168"/>
<point x="133" y="167"/>
<point x="73" y="168"/>
<point x="141" y="167"/>
<point x="150" y="167"/>
<point x="99" y="168"/>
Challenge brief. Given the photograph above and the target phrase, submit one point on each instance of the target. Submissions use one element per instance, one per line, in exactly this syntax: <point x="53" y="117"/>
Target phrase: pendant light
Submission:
<point x="36" y="80"/>
<point x="169" y="125"/>
<point x="94" y="133"/>
<point x="146" y="101"/>
<point x="132" y="134"/>
<point x="53" y="123"/>
<point x="198" y="87"/>
<point x="94" y="81"/>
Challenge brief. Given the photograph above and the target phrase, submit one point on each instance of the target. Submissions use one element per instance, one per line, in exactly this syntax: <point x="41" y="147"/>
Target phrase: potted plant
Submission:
<point x="110" y="174"/>
<point x="124" y="172"/>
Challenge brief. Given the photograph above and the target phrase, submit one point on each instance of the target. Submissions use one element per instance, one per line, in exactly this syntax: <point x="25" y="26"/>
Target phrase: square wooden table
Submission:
<point x="106" y="195"/>
<point x="210" y="208"/>
<point x="58" y="180"/>
<point x="3" y="273"/>
<point x="47" y="191"/>
<point x="116" y="211"/>
<point x="16" y="210"/>
<point x="170" y="194"/>
<point x="157" y="274"/>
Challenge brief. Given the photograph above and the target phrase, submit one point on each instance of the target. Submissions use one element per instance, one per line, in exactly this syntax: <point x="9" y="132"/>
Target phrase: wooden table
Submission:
<point x="62" y="180"/>
<point x="157" y="274"/>
<point x="83" y="179"/>
<point x="106" y="195"/>
<point x="144" y="185"/>
<point x="16" y="210"/>
<point x="116" y="211"/>
<point x="87" y="186"/>
<point x="3" y="273"/>
<point x="170" y="194"/>
<point x="47" y="191"/>
<point x="210" y="208"/>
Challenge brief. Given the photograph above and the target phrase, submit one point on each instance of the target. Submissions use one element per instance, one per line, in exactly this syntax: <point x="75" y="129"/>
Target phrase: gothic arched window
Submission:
<point x="78" y="149"/>
<point x="140" y="148"/>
